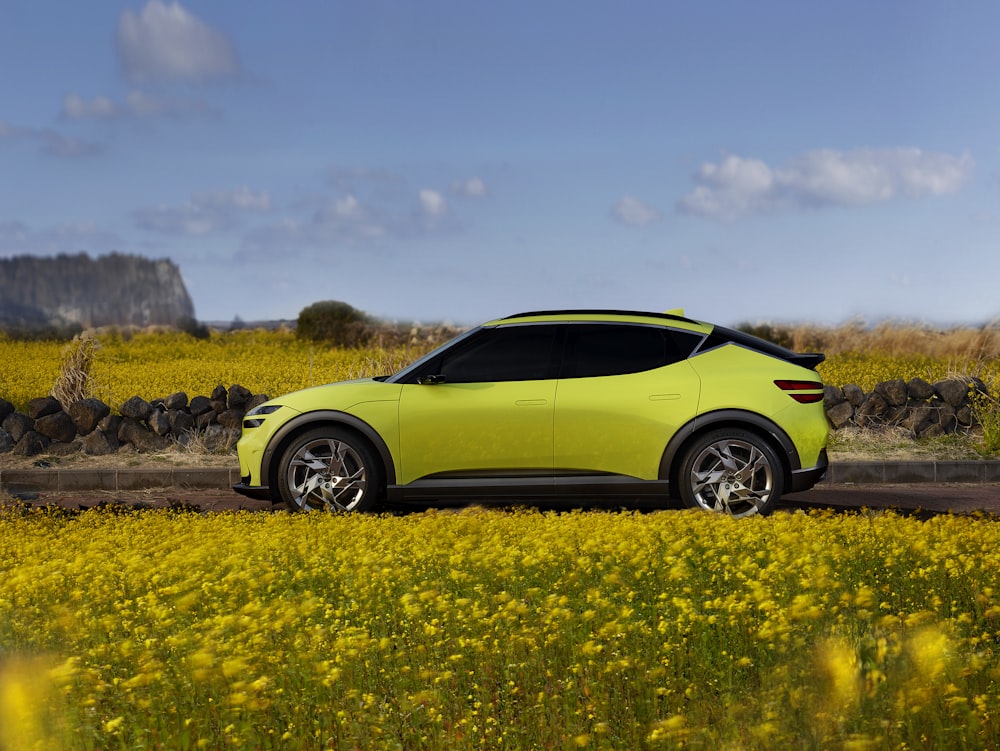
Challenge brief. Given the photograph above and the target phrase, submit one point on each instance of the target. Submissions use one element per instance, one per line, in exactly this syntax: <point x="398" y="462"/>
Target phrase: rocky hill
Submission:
<point x="80" y="291"/>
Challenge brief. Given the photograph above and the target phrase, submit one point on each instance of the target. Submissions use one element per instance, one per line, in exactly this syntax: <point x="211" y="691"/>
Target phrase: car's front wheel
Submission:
<point x="329" y="469"/>
<point x="731" y="471"/>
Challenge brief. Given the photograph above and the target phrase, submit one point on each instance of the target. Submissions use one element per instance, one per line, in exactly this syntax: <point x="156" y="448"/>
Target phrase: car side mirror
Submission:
<point x="431" y="380"/>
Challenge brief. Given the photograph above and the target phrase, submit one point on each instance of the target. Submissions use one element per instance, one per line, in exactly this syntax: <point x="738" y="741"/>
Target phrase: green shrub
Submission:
<point x="336" y="323"/>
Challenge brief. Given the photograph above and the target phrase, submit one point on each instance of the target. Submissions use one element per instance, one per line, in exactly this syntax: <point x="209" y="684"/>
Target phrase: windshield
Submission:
<point x="403" y="374"/>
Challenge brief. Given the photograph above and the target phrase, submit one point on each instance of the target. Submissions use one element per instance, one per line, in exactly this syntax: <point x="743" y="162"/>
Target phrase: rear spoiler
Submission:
<point x="807" y="359"/>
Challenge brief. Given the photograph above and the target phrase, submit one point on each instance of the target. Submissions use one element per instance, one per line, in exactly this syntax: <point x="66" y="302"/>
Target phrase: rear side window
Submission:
<point x="614" y="349"/>
<point x="509" y="353"/>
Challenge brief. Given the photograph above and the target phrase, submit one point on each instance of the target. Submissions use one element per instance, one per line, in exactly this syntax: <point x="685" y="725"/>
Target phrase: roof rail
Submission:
<point x="602" y="311"/>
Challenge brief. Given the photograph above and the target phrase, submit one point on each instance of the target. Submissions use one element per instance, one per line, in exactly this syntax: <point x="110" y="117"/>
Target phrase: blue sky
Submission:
<point x="456" y="160"/>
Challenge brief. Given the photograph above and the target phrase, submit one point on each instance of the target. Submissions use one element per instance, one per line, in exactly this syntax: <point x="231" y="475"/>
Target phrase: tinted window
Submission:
<point x="614" y="349"/>
<point x="512" y="353"/>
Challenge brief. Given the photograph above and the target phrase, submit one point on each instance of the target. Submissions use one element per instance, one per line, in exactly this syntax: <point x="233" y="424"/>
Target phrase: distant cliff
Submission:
<point x="112" y="290"/>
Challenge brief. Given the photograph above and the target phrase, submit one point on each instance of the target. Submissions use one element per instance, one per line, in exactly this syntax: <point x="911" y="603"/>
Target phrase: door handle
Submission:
<point x="530" y="402"/>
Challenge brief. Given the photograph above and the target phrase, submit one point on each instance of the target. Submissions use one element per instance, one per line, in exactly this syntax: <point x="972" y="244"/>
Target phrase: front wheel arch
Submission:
<point x="288" y="432"/>
<point x="341" y="466"/>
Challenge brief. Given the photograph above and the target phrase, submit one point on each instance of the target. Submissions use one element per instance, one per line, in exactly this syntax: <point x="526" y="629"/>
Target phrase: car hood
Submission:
<point x="341" y="395"/>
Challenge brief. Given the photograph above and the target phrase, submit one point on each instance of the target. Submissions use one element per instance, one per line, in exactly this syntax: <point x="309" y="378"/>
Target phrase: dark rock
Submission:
<point x="159" y="422"/>
<point x="219" y="406"/>
<point x="218" y="438"/>
<point x="58" y="426"/>
<point x="6" y="408"/>
<point x="965" y="416"/>
<point x="231" y="419"/>
<point x="97" y="443"/>
<point x="894" y="392"/>
<point x="918" y="418"/>
<point x="200" y="405"/>
<point x="31" y="444"/>
<point x="953" y="391"/>
<point x="6" y="442"/>
<point x="219" y="393"/>
<point x="17" y="424"/>
<point x="238" y="397"/>
<point x="871" y="410"/>
<point x="943" y="415"/>
<point x="142" y="438"/>
<point x="66" y="449"/>
<point x="854" y="394"/>
<point x="205" y="419"/>
<point x="178" y="400"/>
<point x="136" y="408"/>
<point x="43" y="406"/>
<point x="87" y="413"/>
<point x="833" y="395"/>
<point x="180" y="422"/>
<point x="840" y="415"/>
<point x="918" y="388"/>
<point x="110" y="425"/>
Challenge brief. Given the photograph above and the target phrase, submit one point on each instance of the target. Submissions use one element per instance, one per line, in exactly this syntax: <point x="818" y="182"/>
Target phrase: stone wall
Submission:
<point x="924" y="409"/>
<point x="89" y="426"/>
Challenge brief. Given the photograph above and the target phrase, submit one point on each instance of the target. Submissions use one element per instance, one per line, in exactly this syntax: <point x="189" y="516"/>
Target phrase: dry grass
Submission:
<point x="74" y="381"/>
<point x="897" y="339"/>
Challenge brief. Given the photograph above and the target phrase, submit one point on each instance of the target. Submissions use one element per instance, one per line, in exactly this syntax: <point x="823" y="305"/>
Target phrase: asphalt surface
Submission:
<point x="923" y="499"/>
<point x="936" y="487"/>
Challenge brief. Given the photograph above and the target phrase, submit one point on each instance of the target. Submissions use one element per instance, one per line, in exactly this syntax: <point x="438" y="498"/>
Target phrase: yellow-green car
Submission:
<point x="573" y="406"/>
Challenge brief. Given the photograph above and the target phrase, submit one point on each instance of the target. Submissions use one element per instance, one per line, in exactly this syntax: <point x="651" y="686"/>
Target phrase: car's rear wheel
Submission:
<point x="329" y="469"/>
<point x="732" y="471"/>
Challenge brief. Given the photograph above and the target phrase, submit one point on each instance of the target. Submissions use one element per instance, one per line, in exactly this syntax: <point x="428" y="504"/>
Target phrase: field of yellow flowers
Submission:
<point x="498" y="630"/>
<point x="155" y="364"/>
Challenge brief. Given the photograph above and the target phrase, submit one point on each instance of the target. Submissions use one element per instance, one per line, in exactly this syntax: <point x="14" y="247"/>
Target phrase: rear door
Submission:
<point x="623" y="391"/>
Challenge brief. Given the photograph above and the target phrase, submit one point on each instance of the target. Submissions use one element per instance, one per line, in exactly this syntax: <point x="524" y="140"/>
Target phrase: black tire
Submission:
<point x="731" y="471"/>
<point x="330" y="468"/>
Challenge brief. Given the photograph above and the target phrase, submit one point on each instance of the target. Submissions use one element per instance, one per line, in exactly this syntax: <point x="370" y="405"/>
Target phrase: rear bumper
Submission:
<point x="803" y="479"/>
<point x="257" y="492"/>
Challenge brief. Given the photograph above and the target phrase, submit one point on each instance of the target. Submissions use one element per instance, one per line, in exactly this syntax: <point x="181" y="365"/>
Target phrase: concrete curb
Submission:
<point x="127" y="480"/>
<point x="117" y="480"/>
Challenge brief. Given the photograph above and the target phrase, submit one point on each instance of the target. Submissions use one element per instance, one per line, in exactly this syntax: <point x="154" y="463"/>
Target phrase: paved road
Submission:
<point x="922" y="498"/>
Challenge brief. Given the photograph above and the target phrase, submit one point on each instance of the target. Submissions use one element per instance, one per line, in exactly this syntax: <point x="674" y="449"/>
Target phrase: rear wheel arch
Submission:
<point x="765" y="429"/>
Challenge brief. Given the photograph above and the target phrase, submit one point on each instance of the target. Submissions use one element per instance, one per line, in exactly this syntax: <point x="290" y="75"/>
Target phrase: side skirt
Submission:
<point x="561" y="488"/>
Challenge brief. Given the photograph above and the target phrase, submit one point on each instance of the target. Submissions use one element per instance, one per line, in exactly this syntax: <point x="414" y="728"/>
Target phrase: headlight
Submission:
<point x="255" y="417"/>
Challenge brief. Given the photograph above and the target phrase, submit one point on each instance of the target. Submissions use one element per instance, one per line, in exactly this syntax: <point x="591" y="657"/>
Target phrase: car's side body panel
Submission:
<point x="474" y="427"/>
<point x="620" y="424"/>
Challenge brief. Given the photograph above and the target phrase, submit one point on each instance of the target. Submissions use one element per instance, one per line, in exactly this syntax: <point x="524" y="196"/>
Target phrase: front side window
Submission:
<point x="509" y="353"/>
<point x="614" y="349"/>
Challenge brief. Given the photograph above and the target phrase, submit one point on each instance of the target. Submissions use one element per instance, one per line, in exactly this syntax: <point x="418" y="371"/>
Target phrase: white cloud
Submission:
<point x="635" y="213"/>
<point x="49" y="141"/>
<point x="472" y="187"/>
<point x="738" y="186"/>
<point x="432" y="203"/>
<point x="204" y="214"/>
<point x="77" y="108"/>
<point x="137" y="104"/>
<point x="164" y="42"/>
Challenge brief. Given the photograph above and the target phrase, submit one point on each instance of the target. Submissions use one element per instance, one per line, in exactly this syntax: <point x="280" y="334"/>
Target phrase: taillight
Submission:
<point x="795" y="389"/>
